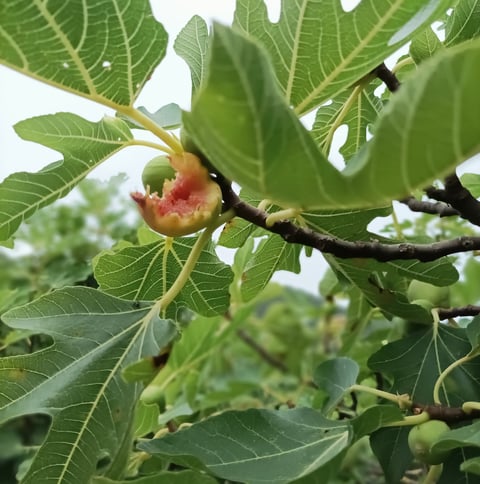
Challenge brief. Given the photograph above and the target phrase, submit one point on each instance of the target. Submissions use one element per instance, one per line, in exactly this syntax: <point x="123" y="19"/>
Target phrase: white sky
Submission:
<point x="22" y="98"/>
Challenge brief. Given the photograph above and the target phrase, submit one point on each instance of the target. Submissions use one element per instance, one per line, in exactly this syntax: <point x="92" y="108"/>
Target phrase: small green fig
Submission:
<point x="422" y="437"/>
<point x="155" y="172"/>
<point x="439" y="297"/>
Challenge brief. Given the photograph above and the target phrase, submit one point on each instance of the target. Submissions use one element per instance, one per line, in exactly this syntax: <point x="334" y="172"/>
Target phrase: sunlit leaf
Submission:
<point x="419" y="137"/>
<point x="464" y="23"/>
<point x="272" y="254"/>
<point x="265" y="148"/>
<point x="318" y="49"/>
<point x="77" y="380"/>
<point x="362" y="113"/>
<point x="258" y="446"/>
<point x="102" y="50"/>
<point x="84" y="145"/>
<point x="424" y="45"/>
<point x="146" y="272"/>
<point x="191" y="44"/>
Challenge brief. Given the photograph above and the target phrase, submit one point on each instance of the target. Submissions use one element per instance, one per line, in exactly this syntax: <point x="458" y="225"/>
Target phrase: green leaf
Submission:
<point x="464" y="23"/>
<point x="379" y="282"/>
<point x="471" y="466"/>
<point x="416" y="361"/>
<point x="374" y="418"/>
<point x="258" y="446"/>
<point x="362" y="114"/>
<point x="318" y="50"/>
<point x="335" y="377"/>
<point x="146" y="419"/>
<point x="473" y="332"/>
<point x="265" y="148"/>
<point x="148" y="271"/>
<point x="167" y="117"/>
<point x="471" y="182"/>
<point x="84" y="145"/>
<point x="424" y="45"/>
<point x="272" y="254"/>
<point x="200" y="339"/>
<point x="390" y="446"/>
<point x="467" y="436"/>
<point x="191" y="44"/>
<point x="77" y="380"/>
<point x="97" y="49"/>
<point x="165" y="477"/>
<point x="409" y="150"/>
<point x="241" y="121"/>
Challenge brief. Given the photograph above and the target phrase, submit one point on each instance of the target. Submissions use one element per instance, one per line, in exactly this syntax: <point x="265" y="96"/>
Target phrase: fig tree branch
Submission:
<point x="437" y="208"/>
<point x="341" y="248"/>
<point x="458" y="197"/>
<point x="387" y="76"/>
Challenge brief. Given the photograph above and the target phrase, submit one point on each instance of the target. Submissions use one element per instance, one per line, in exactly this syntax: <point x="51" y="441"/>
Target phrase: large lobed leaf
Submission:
<point x="258" y="446"/>
<point x="416" y="361"/>
<point x="84" y="145"/>
<point x="146" y="272"/>
<point x="103" y="49"/>
<point x="77" y="380"/>
<point x="241" y="121"/>
<point x="318" y="49"/>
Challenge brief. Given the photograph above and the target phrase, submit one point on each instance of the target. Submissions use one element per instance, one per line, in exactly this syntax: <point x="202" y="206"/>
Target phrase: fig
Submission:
<point x="422" y="437"/>
<point x="186" y="204"/>
<point x="439" y="297"/>
<point x="155" y="172"/>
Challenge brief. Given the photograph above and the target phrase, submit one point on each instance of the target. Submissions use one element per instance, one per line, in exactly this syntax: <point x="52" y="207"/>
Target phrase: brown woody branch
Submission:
<point x="457" y="196"/>
<point x="387" y="76"/>
<point x="438" y="208"/>
<point x="445" y="413"/>
<point x="469" y="310"/>
<point x="341" y="248"/>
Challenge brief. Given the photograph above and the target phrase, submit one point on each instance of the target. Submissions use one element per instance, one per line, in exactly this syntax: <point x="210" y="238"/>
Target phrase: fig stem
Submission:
<point x="149" y="124"/>
<point x="469" y="407"/>
<point x="410" y="420"/>
<point x="282" y="215"/>
<point x="192" y="259"/>
<point x="151" y="144"/>
<point x="433" y="474"/>
<point x="445" y="373"/>
<point x="403" y="400"/>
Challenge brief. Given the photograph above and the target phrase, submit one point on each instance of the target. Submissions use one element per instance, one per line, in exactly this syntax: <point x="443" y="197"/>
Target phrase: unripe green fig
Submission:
<point x="439" y="297"/>
<point x="421" y="439"/>
<point x="155" y="172"/>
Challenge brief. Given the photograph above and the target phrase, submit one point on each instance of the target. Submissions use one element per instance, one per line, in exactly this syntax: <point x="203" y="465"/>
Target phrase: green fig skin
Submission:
<point x="421" y="438"/>
<point x="155" y="172"/>
<point x="439" y="297"/>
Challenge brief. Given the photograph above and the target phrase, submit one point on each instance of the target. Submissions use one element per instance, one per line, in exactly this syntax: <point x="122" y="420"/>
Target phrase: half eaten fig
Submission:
<point x="187" y="204"/>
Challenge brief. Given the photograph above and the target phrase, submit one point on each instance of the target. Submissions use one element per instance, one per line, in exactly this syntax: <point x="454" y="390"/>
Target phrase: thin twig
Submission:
<point x="438" y="208"/>
<point x="261" y="351"/>
<point x="445" y="413"/>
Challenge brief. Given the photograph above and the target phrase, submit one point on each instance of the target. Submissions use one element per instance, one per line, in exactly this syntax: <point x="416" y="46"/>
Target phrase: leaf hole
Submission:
<point x="107" y="65"/>
<point x="274" y="9"/>
<point x="349" y="5"/>
<point x="65" y="65"/>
